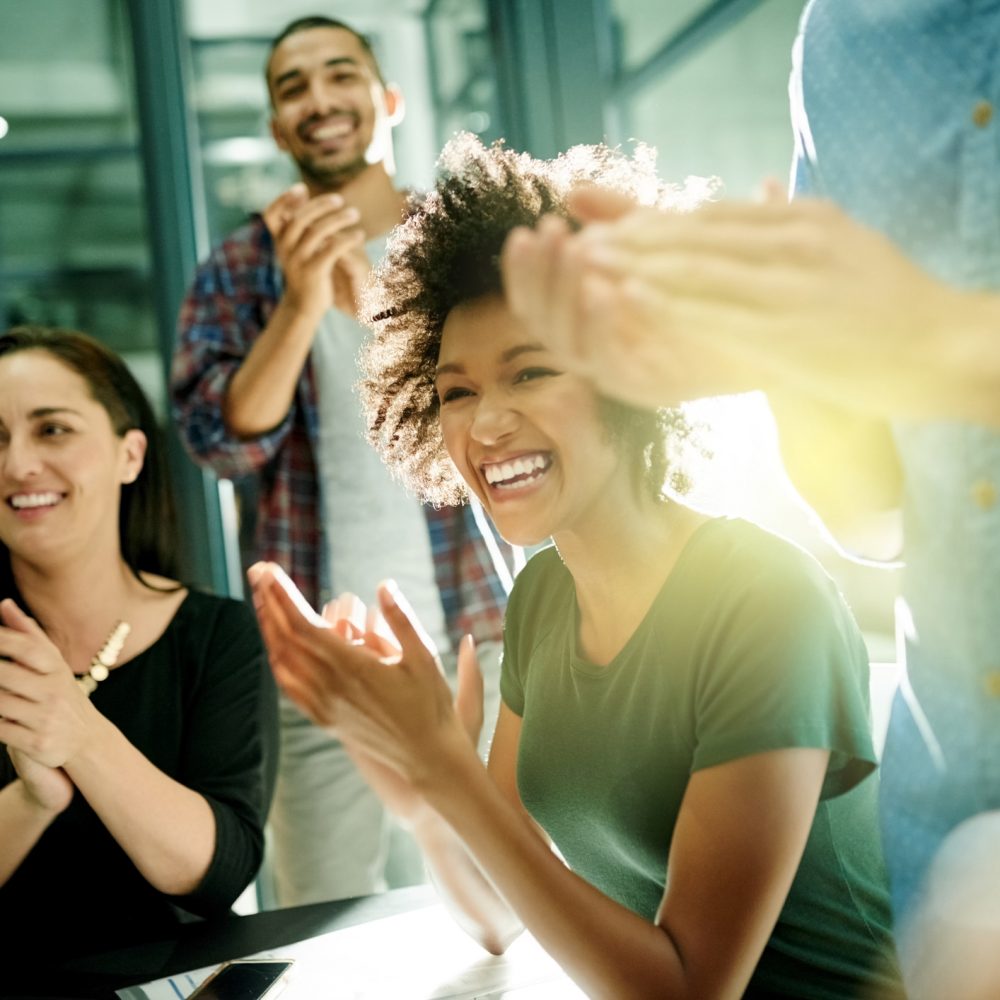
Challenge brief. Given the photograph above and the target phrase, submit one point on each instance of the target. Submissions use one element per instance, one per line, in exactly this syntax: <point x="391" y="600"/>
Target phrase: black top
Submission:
<point x="200" y="704"/>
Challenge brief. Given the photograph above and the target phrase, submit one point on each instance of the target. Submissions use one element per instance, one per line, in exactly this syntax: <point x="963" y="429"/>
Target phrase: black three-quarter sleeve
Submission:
<point x="229" y="746"/>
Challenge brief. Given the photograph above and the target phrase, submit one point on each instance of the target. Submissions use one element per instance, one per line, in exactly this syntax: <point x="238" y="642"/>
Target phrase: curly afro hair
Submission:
<point x="448" y="252"/>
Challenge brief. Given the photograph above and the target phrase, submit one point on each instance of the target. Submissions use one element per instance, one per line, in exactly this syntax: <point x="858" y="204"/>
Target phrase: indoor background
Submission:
<point x="134" y="134"/>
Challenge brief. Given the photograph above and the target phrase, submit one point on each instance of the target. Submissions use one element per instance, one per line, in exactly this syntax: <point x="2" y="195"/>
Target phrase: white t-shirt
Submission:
<point x="374" y="529"/>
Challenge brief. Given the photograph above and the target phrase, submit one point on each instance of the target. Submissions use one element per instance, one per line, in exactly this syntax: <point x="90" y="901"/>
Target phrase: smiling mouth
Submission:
<point x="517" y="473"/>
<point x="33" y="501"/>
<point x="330" y="129"/>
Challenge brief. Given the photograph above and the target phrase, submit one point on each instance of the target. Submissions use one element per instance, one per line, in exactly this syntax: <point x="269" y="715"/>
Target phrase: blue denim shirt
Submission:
<point x="896" y="113"/>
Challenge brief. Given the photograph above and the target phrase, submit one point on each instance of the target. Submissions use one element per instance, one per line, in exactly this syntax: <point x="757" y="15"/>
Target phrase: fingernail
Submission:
<point x="518" y="237"/>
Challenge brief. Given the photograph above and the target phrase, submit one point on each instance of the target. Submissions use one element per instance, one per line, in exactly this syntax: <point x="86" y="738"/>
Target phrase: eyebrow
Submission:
<point x="48" y="411"/>
<point x="40" y="412"/>
<point x="512" y="352"/>
<point x="293" y="73"/>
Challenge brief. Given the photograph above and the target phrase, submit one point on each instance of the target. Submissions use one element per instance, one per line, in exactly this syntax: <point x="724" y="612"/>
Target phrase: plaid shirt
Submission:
<point x="229" y="304"/>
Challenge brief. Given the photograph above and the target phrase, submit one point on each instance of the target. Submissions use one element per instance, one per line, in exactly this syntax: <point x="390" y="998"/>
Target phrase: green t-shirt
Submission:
<point x="747" y="647"/>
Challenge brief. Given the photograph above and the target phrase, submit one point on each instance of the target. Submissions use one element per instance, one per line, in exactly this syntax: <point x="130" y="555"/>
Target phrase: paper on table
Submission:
<point x="421" y="954"/>
<point x="171" y="988"/>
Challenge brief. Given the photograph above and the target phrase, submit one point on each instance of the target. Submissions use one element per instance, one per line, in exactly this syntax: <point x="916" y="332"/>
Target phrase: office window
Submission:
<point x="73" y="241"/>
<point x="462" y="76"/>
<point x="721" y="106"/>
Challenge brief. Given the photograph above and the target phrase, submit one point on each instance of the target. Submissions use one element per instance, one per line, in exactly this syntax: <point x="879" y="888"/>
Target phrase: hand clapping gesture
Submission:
<point x="386" y="699"/>
<point x="320" y="247"/>
<point x="43" y="714"/>
<point x="659" y="307"/>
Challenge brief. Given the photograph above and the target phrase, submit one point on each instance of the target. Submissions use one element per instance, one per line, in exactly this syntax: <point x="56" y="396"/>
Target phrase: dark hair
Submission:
<point x="319" y="21"/>
<point x="447" y="252"/>
<point x="146" y="519"/>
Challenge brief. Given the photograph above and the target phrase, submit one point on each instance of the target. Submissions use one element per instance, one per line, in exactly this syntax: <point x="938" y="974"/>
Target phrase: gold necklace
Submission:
<point x="104" y="659"/>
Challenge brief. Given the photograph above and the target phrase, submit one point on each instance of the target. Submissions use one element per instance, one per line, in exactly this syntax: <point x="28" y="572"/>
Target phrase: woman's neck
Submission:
<point x="619" y="568"/>
<point x="77" y="604"/>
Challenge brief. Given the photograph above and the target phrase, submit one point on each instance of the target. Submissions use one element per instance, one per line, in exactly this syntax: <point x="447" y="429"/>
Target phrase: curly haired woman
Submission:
<point x="685" y="698"/>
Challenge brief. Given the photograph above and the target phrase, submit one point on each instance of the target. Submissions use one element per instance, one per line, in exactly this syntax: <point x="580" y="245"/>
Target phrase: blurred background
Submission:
<point x="133" y="134"/>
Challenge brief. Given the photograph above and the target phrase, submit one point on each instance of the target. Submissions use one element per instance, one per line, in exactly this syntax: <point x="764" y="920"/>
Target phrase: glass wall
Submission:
<point x="716" y="100"/>
<point x="73" y="242"/>
<point x="462" y="69"/>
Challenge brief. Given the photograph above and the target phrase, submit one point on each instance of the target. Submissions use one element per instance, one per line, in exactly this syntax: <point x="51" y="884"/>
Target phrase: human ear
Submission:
<point x="395" y="105"/>
<point x="134" y="445"/>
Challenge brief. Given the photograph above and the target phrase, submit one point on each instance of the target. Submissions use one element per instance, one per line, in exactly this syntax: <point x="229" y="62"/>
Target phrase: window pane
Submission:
<point x="645" y="25"/>
<point x="243" y="169"/>
<point x="73" y="240"/>
<point x="462" y="74"/>
<point x="724" y="111"/>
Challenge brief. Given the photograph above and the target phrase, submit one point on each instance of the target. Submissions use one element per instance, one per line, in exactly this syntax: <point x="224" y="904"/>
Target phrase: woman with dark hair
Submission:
<point x="685" y="699"/>
<point x="138" y="717"/>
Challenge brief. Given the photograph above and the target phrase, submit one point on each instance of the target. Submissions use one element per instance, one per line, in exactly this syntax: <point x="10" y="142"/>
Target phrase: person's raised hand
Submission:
<point x="657" y="307"/>
<point x="350" y="275"/>
<point x="43" y="712"/>
<point x="794" y="292"/>
<point x="589" y="203"/>
<point x="350" y="618"/>
<point x="314" y="238"/>
<point x="386" y="700"/>
<point x="604" y="325"/>
<point x="286" y="623"/>
<point x="542" y="275"/>
<point x="469" y="693"/>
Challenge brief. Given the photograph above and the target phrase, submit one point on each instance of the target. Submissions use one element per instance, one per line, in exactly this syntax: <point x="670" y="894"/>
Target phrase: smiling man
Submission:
<point x="262" y="388"/>
<point x="332" y="110"/>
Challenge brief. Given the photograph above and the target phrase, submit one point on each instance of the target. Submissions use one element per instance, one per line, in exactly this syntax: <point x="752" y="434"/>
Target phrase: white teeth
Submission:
<point x="502" y="473"/>
<point x="22" y="500"/>
<point x="334" y="131"/>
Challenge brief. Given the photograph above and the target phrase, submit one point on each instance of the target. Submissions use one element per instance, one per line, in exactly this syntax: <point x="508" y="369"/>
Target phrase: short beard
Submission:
<point x="332" y="178"/>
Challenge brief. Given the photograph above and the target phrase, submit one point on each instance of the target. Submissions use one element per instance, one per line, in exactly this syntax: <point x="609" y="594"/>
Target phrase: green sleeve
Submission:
<point x="784" y="665"/>
<point x="535" y="604"/>
<point x="514" y="627"/>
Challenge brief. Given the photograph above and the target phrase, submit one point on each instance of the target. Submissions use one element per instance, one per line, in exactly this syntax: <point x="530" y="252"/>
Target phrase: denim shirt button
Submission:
<point x="984" y="493"/>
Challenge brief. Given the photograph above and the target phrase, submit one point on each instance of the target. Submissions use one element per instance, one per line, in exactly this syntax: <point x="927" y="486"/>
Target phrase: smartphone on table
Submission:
<point x="246" y="979"/>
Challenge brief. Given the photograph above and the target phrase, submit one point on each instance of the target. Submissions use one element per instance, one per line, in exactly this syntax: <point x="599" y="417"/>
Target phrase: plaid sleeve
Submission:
<point x="473" y="573"/>
<point x="230" y="300"/>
